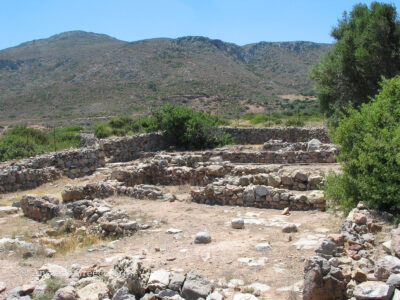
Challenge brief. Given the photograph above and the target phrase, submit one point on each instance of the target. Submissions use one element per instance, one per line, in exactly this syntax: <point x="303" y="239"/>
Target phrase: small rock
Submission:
<point x="359" y="276"/>
<point x="387" y="247"/>
<point x="202" y="238"/>
<point x="173" y="231"/>
<point x="286" y="211"/>
<point x="196" y="286"/>
<point x="2" y="286"/>
<point x="359" y="219"/>
<point x="158" y="280"/>
<point x="66" y="293"/>
<point x="288" y="228"/>
<point x="237" y="223"/>
<point x="263" y="247"/>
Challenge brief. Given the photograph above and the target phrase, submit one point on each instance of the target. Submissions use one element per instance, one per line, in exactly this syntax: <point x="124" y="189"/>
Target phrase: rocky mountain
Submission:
<point x="78" y="77"/>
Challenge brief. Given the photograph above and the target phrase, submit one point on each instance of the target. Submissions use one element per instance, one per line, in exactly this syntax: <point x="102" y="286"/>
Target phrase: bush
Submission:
<point x="369" y="142"/>
<point x="188" y="129"/>
<point x="21" y="141"/>
<point x="294" y="122"/>
<point x="102" y="130"/>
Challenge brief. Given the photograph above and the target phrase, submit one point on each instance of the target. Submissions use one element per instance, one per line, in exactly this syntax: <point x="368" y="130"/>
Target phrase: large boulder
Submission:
<point x="196" y="286"/>
<point x="128" y="272"/>
<point x="40" y="208"/>
<point x="322" y="281"/>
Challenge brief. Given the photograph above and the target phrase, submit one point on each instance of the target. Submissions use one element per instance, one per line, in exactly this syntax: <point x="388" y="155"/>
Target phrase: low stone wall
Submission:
<point x="128" y="148"/>
<point x="257" y="136"/>
<point x="32" y="172"/>
<point x="260" y="196"/>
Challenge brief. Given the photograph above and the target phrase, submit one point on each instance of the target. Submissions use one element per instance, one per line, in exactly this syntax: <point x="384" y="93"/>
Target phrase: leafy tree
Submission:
<point x="367" y="48"/>
<point x="369" y="141"/>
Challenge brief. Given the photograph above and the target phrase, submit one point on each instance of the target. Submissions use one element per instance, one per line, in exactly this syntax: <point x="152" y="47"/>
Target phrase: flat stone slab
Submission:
<point x="253" y="261"/>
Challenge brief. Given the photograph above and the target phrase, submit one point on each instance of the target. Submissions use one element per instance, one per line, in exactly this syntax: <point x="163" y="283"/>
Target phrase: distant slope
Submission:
<point x="78" y="75"/>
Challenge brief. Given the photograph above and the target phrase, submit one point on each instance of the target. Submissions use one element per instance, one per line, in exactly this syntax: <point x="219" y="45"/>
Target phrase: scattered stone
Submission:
<point x="286" y="211"/>
<point x="123" y="294"/>
<point x="173" y="231"/>
<point x="215" y="296"/>
<point x="373" y="290"/>
<point x="359" y="219"/>
<point x="263" y="247"/>
<point x="196" y="286"/>
<point x="158" y="280"/>
<point x="237" y="223"/>
<point x="387" y="246"/>
<point x="385" y="266"/>
<point x="53" y="271"/>
<point x="94" y="291"/>
<point x="359" y="275"/>
<point x="322" y="281"/>
<point x="2" y="286"/>
<point x="244" y="296"/>
<point x="394" y="279"/>
<point x="289" y="228"/>
<point x="202" y="238"/>
<point x="66" y="293"/>
<point x="176" y="281"/>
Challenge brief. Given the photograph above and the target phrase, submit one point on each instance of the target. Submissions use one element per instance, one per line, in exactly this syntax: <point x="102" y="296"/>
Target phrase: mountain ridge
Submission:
<point x="80" y="74"/>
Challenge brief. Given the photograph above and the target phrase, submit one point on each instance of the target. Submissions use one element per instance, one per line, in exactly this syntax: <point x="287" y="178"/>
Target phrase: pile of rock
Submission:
<point x="261" y="196"/>
<point x="129" y="279"/>
<point x="39" y="208"/>
<point x="347" y="266"/>
<point x="103" y="218"/>
<point x="87" y="191"/>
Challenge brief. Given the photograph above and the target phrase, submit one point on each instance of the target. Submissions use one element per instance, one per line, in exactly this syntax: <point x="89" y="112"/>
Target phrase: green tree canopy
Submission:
<point x="366" y="48"/>
<point x="369" y="152"/>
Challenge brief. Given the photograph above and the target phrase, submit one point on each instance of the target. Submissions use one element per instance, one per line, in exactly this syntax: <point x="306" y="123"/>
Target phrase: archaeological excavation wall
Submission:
<point x="255" y="136"/>
<point x="32" y="172"/>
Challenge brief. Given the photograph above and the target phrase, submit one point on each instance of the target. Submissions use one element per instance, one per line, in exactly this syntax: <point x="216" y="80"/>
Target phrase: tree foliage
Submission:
<point x="369" y="141"/>
<point x="367" y="48"/>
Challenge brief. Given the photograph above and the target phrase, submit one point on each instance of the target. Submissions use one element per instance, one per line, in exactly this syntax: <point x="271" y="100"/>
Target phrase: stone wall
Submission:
<point x="32" y="172"/>
<point x="257" y="136"/>
<point x="128" y="148"/>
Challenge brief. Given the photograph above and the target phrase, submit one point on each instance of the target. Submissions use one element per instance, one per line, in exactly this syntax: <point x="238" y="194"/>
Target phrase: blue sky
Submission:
<point x="238" y="21"/>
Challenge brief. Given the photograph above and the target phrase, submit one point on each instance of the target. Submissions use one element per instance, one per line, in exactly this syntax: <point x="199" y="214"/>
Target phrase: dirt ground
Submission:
<point x="221" y="260"/>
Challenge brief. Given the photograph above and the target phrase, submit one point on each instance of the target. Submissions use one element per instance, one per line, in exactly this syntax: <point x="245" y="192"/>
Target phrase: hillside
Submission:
<point x="77" y="77"/>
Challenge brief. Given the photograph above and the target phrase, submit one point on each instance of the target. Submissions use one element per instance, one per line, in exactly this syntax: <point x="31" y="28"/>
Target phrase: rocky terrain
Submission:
<point x="239" y="222"/>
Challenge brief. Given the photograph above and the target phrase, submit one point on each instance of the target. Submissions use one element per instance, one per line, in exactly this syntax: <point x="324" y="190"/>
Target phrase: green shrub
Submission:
<point x="12" y="147"/>
<point x="369" y="142"/>
<point x="294" y="122"/>
<point x="188" y="129"/>
<point x="52" y="285"/>
<point x="102" y="130"/>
